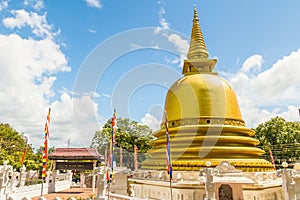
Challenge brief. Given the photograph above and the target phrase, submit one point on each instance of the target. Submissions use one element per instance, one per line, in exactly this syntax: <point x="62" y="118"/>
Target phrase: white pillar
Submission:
<point x="13" y="175"/>
<point x="5" y="170"/>
<point x="69" y="177"/>
<point x="288" y="183"/>
<point x="94" y="178"/>
<point x="82" y="180"/>
<point x="22" y="175"/>
<point x="209" y="184"/>
<point x="100" y="184"/>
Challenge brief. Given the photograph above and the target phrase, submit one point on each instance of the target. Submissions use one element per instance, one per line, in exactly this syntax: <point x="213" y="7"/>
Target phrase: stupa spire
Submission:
<point x="197" y="58"/>
<point x="197" y="45"/>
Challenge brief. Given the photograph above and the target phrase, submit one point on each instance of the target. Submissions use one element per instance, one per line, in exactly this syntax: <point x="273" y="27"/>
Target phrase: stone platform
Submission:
<point x="193" y="185"/>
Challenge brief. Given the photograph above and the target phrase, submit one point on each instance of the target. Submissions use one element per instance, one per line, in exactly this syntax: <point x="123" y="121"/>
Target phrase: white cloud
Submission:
<point x="93" y="3"/>
<point x="37" y="23"/>
<point x="292" y="113"/>
<point x="27" y="81"/>
<point x="180" y="44"/>
<point x="252" y="64"/>
<point x="106" y="95"/>
<point x="36" y="4"/>
<point x="28" y="70"/>
<point x="266" y="94"/>
<point x="92" y="30"/>
<point x="182" y="47"/>
<point x="3" y="5"/>
<point x="151" y="121"/>
<point x="136" y="46"/>
<point x="280" y="82"/>
<point x="164" y="25"/>
<point x="74" y="119"/>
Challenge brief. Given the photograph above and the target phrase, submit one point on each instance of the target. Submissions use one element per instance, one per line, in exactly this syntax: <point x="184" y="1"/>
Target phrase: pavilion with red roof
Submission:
<point x="75" y="159"/>
<point x="75" y="154"/>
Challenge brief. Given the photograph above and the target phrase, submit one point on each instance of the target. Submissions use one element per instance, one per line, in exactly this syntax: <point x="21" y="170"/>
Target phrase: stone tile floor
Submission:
<point x="79" y="193"/>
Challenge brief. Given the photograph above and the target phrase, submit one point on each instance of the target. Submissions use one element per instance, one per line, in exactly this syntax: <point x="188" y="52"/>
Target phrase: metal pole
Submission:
<point x="42" y="188"/>
<point x="171" y="195"/>
<point x="108" y="190"/>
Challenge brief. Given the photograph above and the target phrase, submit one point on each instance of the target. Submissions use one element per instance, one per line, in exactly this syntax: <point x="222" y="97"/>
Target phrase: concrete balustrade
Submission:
<point x="12" y="184"/>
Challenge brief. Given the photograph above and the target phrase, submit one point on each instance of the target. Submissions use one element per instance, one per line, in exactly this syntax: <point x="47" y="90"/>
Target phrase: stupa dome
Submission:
<point x="202" y="96"/>
<point x="204" y="119"/>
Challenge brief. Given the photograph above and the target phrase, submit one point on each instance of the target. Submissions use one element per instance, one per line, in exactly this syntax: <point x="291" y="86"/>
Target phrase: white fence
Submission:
<point x="35" y="190"/>
<point x="12" y="184"/>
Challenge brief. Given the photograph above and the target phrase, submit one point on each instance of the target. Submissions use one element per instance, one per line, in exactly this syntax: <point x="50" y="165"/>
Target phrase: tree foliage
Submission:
<point x="281" y="137"/>
<point x="12" y="145"/>
<point x="129" y="133"/>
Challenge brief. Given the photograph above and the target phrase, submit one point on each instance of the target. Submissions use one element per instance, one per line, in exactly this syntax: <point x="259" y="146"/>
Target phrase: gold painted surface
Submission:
<point x="204" y="119"/>
<point x="246" y="165"/>
<point x="200" y="95"/>
<point x="198" y="140"/>
<point x="204" y="129"/>
<point x="197" y="48"/>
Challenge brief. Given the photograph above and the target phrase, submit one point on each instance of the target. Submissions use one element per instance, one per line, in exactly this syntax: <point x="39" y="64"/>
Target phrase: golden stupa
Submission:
<point x="204" y="119"/>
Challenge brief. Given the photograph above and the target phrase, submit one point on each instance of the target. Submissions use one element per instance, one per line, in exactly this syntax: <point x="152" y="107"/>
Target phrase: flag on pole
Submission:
<point x="105" y="155"/>
<point x="24" y="152"/>
<point x="121" y="157"/>
<point x="272" y="159"/>
<point x="136" y="165"/>
<point x="107" y="177"/>
<point x="168" y="149"/>
<point x="23" y="157"/>
<point x="107" y="163"/>
<point x="113" y="142"/>
<point x="45" y="149"/>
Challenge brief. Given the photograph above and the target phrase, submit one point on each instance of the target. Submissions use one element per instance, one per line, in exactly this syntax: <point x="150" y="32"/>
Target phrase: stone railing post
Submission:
<point x="82" y="180"/>
<point x="69" y="177"/>
<point x="5" y="172"/>
<point x="94" y="177"/>
<point x="288" y="183"/>
<point x="100" y="186"/>
<point x="48" y="176"/>
<point x="22" y="176"/>
<point x="209" y="181"/>
<point x="13" y="177"/>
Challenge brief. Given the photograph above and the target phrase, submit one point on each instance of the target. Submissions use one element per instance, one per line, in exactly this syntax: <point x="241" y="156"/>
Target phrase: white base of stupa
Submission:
<point x="190" y="185"/>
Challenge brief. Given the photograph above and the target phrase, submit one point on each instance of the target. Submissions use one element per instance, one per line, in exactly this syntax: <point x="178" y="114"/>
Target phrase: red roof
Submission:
<point x="75" y="154"/>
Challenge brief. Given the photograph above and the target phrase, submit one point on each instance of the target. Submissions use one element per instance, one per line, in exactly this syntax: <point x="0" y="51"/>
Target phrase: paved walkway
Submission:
<point x="78" y="193"/>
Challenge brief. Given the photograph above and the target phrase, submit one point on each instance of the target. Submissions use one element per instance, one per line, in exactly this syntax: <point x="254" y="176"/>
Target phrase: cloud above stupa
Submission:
<point x="269" y="93"/>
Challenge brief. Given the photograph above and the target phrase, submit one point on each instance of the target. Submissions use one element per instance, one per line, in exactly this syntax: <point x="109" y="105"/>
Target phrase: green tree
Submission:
<point x="12" y="146"/>
<point x="129" y="133"/>
<point x="281" y="137"/>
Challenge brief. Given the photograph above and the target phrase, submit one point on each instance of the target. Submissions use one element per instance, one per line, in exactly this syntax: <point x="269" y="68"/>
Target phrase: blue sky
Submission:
<point x="83" y="58"/>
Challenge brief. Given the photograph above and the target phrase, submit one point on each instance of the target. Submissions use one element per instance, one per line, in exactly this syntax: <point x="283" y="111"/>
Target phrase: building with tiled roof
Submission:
<point x="75" y="154"/>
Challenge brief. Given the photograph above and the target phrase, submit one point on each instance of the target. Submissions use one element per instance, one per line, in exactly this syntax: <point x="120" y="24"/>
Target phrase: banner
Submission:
<point x="136" y="164"/>
<point x="168" y="149"/>
<point x="45" y="150"/>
